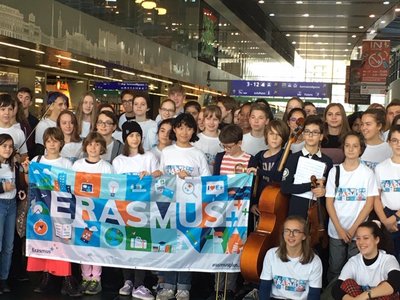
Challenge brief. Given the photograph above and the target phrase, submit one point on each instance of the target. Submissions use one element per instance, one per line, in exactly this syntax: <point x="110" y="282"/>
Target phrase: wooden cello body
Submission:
<point x="273" y="207"/>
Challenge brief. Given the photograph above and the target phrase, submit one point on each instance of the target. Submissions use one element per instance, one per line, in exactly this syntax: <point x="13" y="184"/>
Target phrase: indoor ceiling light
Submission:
<point x="161" y="11"/>
<point x="58" y="68"/>
<point x="138" y="1"/>
<point x="149" y="4"/>
<point x="299" y="2"/>
<point x="386" y="2"/>
<point x="21" y="47"/>
<point x="372" y="16"/>
<point x="305" y="15"/>
<point x="80" y="61"/>
<point x="102" y="77"/>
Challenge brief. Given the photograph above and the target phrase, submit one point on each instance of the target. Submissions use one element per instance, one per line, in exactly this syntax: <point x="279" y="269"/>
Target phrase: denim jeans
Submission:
<point x="180" y="280"/>
<point x="8" y="211"/>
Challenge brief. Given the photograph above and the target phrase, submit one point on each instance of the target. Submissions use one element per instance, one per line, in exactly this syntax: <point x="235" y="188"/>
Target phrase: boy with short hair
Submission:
<point x="177" y="94"/>
<point x="254" y="141"/>
<point x="208" y="139"/>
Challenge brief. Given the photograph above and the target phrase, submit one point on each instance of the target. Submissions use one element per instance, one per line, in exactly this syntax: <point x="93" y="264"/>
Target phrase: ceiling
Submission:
<point x="329" y="29"/>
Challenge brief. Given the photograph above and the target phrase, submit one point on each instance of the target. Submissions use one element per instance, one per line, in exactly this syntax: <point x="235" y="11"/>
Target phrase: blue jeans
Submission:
<point x="180" y="280"/>
<point x="8" y="212"/>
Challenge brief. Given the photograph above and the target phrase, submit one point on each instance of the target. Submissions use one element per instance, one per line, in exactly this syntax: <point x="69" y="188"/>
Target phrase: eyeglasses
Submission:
<point x="311" y="133"/>
<point x="107" y="123"/>
<point x="226" y="147"/>
<point x="294" y="232"/>
<point x="129" y="101"/>
<point x="394" y="141"/>
<point x="172" y="111"/>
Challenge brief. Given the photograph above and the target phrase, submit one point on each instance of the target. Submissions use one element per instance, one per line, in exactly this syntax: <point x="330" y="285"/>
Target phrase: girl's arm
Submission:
<point x="265" y="289"/>
<point x="335" y="220"/>
<point x="390" y="223"/>
<point x="363" y="215"/>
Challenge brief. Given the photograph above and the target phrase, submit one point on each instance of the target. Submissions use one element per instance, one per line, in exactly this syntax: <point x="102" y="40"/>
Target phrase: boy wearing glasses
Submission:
<point x="127" y="104"/>
<point x="298" y="204"/>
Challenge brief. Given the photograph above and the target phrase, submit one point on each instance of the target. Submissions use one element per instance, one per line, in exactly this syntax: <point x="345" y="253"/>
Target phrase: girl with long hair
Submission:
<point x="86" y="114"/>
<point x="68" y="124"/>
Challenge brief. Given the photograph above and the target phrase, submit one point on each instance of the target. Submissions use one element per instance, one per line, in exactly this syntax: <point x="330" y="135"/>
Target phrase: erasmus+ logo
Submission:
<point x="215" y="188"/>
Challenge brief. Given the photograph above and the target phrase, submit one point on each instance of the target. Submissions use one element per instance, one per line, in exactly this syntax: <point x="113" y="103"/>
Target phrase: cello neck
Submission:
<point x="284" y="156"/>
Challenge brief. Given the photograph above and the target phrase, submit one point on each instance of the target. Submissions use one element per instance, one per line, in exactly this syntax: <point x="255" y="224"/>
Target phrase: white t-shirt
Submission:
<point x="369" y="276"/>
<point x="291" y="280"/>
<point x="175" y="159"/>
<point x="374" y="154"/>
<point x="150" y="139"/>
<point x="7" y="175"/>
<point x="61" y="162"/>
<point x="123" y="164"/>
<point x="122" y="120"/>
<point x="72" y="151"/>
<point x="18" y="137"/>
<point x="102" y="166"/>
<point x="387" y="175"/>
<point x="210" y="147"/>
<point x="156" y="152"/>
<point x="85" y="129"/>
<point x="350" y="196"/>
<point x="107" y="156"/>
<point x="252" y="145"/>
<point x="40" y="129"/>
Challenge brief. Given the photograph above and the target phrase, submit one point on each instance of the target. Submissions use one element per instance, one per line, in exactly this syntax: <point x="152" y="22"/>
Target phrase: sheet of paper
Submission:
<point x="63" y="231"/>
<point x="306" y="167"/>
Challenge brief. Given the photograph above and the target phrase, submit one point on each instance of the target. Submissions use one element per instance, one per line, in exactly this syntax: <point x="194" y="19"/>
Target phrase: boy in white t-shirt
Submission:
<point x="254" y="141"/>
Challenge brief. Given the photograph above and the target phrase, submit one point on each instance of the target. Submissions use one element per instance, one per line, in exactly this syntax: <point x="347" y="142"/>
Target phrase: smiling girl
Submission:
<point x="68" y="124"/>
<point x="86" y="114"/>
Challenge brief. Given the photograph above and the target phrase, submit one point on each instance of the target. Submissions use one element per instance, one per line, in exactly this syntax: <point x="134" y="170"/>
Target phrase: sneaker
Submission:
<point x="142" y="293"/>
<point x="182" y="295"/>
<point x="4" y="287"/>
<point x="70" y="287"/>
<point x="84" y="285"/>
<point x="252" y="295"/>
<point x="93" y="288"/>
<point x="165" y="294"/>
<point x="127" y="289"/>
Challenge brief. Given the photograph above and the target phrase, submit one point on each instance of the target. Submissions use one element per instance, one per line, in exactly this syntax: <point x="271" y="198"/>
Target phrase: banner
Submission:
<point x="165" y="223"/>
<point x="375" y="61"/>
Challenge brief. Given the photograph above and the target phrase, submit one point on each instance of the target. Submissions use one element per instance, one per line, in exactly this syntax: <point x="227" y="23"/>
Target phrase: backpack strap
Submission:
<point x="39" y="158"/>
<point x="337" y="176"/>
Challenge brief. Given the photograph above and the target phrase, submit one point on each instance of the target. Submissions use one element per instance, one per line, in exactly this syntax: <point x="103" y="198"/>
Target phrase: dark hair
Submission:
<point x="231" y="133"/>
<point x="126" y="148"/>
<point x="308" y="103"/>
<point x="127" y="92"/>
<point x="184" y="119"/>
<point x="344" y="128"/>
<point x="79" y="112"/>
<point x="213" y="109"/>
<point x="145" y="96"/>
<point x="376" y="232"/>
<point x="75" y="135"/>
<point x="105" y="105"/>
<point x="108" y="114"/>
<point x="353" y="117"/>
<point x="166" y="121"/>
<point x="6" y="100"/>
<point x="395" y="120"/>
<point x="192" y="103"/>
<point x="54" y="133"/>
<point x="307" y="252"/>
<point x="25" y="90"/>
<point x="229" y="103"/>
<point x="281" y="128"/>
<point x="393" y="128"/>
<point x="265" y="102"/>
<point x="4" y="137"/>
<point x="360" y="139"/>
<point x="20" y="116"/>
<point x="315" y="120"/>
<point x="261" y="107"/>
<point x="176" y="88"/>
<point x="171" y="101"/>
<point x="378" y="114"/>
<point x="394" y="102"/>
<point x="52" y="97"/>
<point x="285" y="114"/>
<point x="97" y="138"/>
<point x="294" y="110"/>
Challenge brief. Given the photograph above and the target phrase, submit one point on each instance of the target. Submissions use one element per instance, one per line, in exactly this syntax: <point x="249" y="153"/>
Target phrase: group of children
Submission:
<point x="94" y="140"/>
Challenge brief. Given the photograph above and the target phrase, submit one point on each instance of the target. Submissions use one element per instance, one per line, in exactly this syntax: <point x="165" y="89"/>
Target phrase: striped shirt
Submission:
<point x="229" y="163"/>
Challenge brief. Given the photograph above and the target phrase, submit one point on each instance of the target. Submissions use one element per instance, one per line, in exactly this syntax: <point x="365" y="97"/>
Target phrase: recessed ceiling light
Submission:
<point x="311" y="26"/>
<point x="346" y="50"/>
<point x="372" y="16"/>
<point x="261" y="1"/>
<point x="315" y="35"/>
<point x="353" y="36"/>
<point x="287" y="34"/>
<point x="397" y="9"/>
<point x="383" y="22"/>
<point x="338" y="2"/>
<point x="361" y="27"/>
<point x="372" y="31"/>
<point x="272" y="15"/>
<point x="294" y="43"/>
<point x="299" y="2"/>
<point x="349" y="44"/>
<point x="306" y="15"/>
<point x="386" y="2"/>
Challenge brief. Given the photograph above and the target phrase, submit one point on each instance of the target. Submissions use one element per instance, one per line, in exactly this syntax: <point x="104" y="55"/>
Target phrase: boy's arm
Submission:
<point x="217" y="163"/>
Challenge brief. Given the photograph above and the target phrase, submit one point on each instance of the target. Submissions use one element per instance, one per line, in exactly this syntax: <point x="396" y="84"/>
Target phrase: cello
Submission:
<point x="273" y="207"/>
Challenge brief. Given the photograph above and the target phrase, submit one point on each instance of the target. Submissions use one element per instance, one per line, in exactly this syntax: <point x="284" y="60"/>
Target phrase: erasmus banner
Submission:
<point x="197" y="224"/>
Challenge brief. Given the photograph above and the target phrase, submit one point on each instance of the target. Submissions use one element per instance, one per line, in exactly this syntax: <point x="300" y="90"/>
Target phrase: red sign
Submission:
<point x="375" y="61"/>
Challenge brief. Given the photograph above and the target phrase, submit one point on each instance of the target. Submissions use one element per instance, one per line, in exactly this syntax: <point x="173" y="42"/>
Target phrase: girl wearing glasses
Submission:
<point x="293" y="116"/>
<point x="292" y="270"/>
<point x="387" y="206"/>
<point x="106" y="124"/>
<point x="350" y="193"/>
<point x="86" y="114"/>
<point x="371" y="274"/>
<point x="372" y="124"/>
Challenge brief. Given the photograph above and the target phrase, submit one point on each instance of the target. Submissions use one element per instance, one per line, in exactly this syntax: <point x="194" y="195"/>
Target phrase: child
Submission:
<point x="117" y="134"/>
<point x="94" y="145"/>
<point x="349" y="203"/>
<point x="292" y="270"/>
<point x="163" y="133"/>
<point x="134" y="160"/>
<point x="254" y="141"/>
<point x="167" y="109"/>
<point x="227" y="163"/>
<point x="276" y="136"/>
<point x="68" y="124"/>
<point x="192" y="107"/>
<point x="299" y="203"/>
<point x="106" y="124"/>
<point x="310" y="109"/>
<point x="228" y="105"/>
<point x="181" y="159"/>
<point x="294" y="102"/>
<point x="200" y="121"/>
<point x="7" y="105"/>
<point x="141" y="103"/>
<point x="208" y="139"/>
<point x="372" y="125"/>
<point x="8" y="205"/>
<point x="293" y="116"/>
<point x="56" y="103"/>
<point x="53" y="141"/>
<point x="86" y="114"/>
<point x="127" y="104"/>
<point x="387" y="173"/>
<point x="243" y="118"/>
